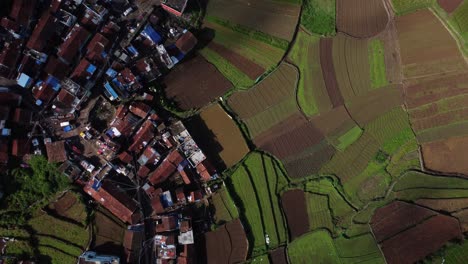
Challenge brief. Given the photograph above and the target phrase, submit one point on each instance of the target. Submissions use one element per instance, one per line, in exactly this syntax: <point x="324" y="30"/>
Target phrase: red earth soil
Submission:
<point x="396" y="217"/>
<point x="447" y="205"/>
<point x="278" y="256"/>
<point x="247" y="66"/>
<point x="441" y="119"/>
<point x="448" y="156"/>
<point x="227" y="244"/>
<point x="414" y="244"/>
<point x="194" y="83"/>
<point x="421" y="113"/>
<point x="290" y="137"/>
<point x="449" y="5"/>
<point x="361" y="18"/>
<point x="328" y="71"/>
<point x="333" y="121"/>
<point x="295" y="209"/>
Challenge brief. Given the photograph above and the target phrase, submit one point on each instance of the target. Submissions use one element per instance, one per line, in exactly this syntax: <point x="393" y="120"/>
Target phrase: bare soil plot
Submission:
<point x="426" y="54"/>
<point x="328" y="71"/>
<point x="414" y="244"/>
<point x="462" y="216"/>
<point x="361" y="18"/>
<point x="446" y="155"/>
<point x="396" y="217"/>
<point x="447" y="205"/>
<point x="295" y="209"/>
<point x="194" y="83"/>
<point x="278" y="256"/>
<point x="248" y="67"/>
<point x="449" y="5"/>
<point x="276" y="18"/>
<point x="109" y="234"/>
<point x="226" y="133"/>
<point x="227" y="244"/>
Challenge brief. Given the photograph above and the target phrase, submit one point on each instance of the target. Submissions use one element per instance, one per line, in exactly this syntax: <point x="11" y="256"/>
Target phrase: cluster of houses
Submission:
<point x="64" y="53"/>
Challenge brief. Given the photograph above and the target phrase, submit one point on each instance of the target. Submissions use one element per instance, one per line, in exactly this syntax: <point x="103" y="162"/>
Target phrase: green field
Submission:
<point x="402" y="7"/>
<point x="377" y="64"/>
<point x="314" y="247"/>
<point x="456" y="254"/>
<point x="459" y="19"/>
<point x="224" y="209"/>
<point x="256" y="185"/>
<point x="413" y="180"/>
<point x="359" y="249"/>
<point x="349" y="138"/>
<point x="234" y="75"/>
<point x="319" y="16"/>
<point x="318" y="212"/>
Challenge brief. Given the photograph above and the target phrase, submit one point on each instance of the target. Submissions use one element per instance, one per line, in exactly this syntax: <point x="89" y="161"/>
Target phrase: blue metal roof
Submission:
<point x="133" y="50"/>
<point x="149" y="32"/>
<point x="54" y="82"/>
<point x="24" y="80"/>
<point x="110" y="90"/>
<point x="91" y="69"/>
<point x="111" y="73"/>
<point x="97" y="185"/>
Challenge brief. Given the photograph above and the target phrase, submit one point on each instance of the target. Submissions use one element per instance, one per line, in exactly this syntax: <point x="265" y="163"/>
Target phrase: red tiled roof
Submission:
<point x="9" y="24"/>
<point x="142" y="65"/>
<point x="20" y="147"/>
<point x="96" y="47"/>
<point x="44" y="92"/>
<point x="185" y="177"/>
<point x="180" y="194"/>
<point x="42" y="33"/>
<point x="56" y="68"/>
<point x="4" y="112"/>
<point x="114" y="199"/>
<point x="110" y="29"/>
<point x="22" y="10"/>
<point x="175" y="158"/>
<point x="144" y="134"/>
<point x="125" y="157"/>
<point x="143" y="172"/>
<point x="168" y="223"/>
<point x="187" y="42"/>
<point x="205" y="175"/>
<point x="157" y="205"/>
<point x="56" y="151"/>
<point x="140" y="109"/>
<point x="22" y="116"/>
<point x="10" y="99"/>
<point x="3" y="151"/>
<point x="10" y="55"/>
<point x="80" y="72"/>
<point x="75" y="40"/>
<point x="65" y="97"/>
<point x="162" y="172"/>
<point x="55" y="5"/>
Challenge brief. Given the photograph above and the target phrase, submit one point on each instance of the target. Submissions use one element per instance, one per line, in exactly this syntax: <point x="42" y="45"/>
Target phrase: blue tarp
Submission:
<point x="110" y="90"/>
<point x="133" y="50"/>
<point x="97" y="185"/>
<point x="67" y="128"/>
<point x="91" y="69"/>
<point x="24" y="80"/>
<point x="54" y="82"/>
<point x="38" y="102"/>
<point x="152" y="34"/>
<point x="111" y="73"/>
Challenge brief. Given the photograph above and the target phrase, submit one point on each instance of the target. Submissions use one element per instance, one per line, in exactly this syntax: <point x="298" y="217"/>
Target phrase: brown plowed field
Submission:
<point x="447" y="205"/>
<point x="436" y="96"/>
<point x="295" y="209"/>
<point x="396" y="217"/>
<point x="361" y="18"/>
<point x="462" y="216"/>
<point x="449" y="5"/>
<point x="331" y="122"/>
<point x="247" y="66"/>
<point x="227" y="244"/>
<point x="194" y="83"/>
<point x="290" y="137"/>
<point x="310" y="161"/>
<point x="414" y="244"/>
<point x="278" y="256"/>
<point x="328" y="71"/>
<point x="440" y="119"/>
<point x="277" y="18"/>
<point x="226" y="133"/>
<point x="447" y="155"/>
<point x="431" y="110"/>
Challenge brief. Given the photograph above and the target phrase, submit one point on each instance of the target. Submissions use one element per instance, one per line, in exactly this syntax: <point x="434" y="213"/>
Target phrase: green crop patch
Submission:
<point x="349" y="138"/>
<point x="456" y="253"/>
<point x="377" y="64"/>
<point x="224" y="208"/>
<point x="319" y="16"/>
<point x="413" y="180"/>
<point x="407" y="6"/>
<point x="359" y="249"/>
<point x="314" y="247"/>
<point x="319" y="212"/>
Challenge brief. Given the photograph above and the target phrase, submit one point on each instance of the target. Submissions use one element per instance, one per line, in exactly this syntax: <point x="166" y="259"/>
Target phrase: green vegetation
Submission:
<point x="255" y="34"/>
<point x="456" y="254"/>
<point x="224" y="208"/>
<point x="349" y="137"/>
<point x="319" y="16"/>
<point x="233" y="74"/>
<point x="459" y="20"/>
<point x="314" y="247"/>
<point x="377" y="64"/>
<point x="29" y="188"/>
<point x="318" y="212"/>
<point x="402" y="7"/>
<point x="412" y="180"/>
<point x="359" y="249"/>
<point x="263" y="259"/>
<point x="256" y="184"/>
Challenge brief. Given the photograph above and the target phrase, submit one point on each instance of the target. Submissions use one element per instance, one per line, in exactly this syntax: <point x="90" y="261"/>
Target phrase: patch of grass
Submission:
<point x="349" y="138"/>
<point x="392" y="145"/>
<point x="413" y="180"/>
<point x="224" y="208"/>
<point x="377" y="64"/>
<point x="402" y="7"/>
<point x="255" y="34"/>
<point x="457" y="253"/>
<point x="319" y="16"/>
<point x="314" y="247"/>
<point x="459" y="20"/>
<point x="318" y="212"/>
<point x="263" y="259"/>
<point x="233" y="74"/>
<point x="359" y="249"/>
<point x="255" y="186"/>
<point x="381" y="156"/>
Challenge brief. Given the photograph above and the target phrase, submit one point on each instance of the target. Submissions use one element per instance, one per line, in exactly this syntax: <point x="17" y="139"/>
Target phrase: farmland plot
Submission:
<point x="294" y="206"/>
<point x="446" y="155"/>
<point x="449" y="5"/>
<point x="447" y="205"/>
<point x="313" y="247"/>
<point x="359" y="249"/>
<point x="361" y="18"/>
<point x="227" y="244"/>
<point x="276" y="18"/>
<point x="319" y="212"/>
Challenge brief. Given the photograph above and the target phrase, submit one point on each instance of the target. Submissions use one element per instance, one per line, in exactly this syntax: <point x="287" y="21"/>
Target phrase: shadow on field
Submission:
<point x="206" y="140"/>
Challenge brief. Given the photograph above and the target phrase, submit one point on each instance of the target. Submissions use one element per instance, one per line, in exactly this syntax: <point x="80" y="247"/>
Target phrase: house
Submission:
<point x="151" y="34"/>
<point x="133" y="240"/>
<point x="110" y="30"/>
<point x="143" y="171"/>
<point x="140" y="109"/>
<point x="56" y="151"/>
<point x="186" y="42"/>
<point x="3" y="152"/>
<point x="147" y="69"/>
<point x="74" y="42"/>
<point x="112" y="198"/>
<point x="125" y="157"/>
<point x="96" y="51"/>
<point x="9" y="25"/>
<point x="166" y="223"/>
<point x="149" y="156"/>
<point x="83" y="72"/>
<point x="94" y="16"/>
<point x="64" y="100"/>
<point x="175" y="7"/>
<point x="44" y="91"/>
<point x="10" y="99"/>
<point x="42" y="33"/>
<point x="22" y="116"/>
<point x="20" y="147"/>
<point x="9" y="58"/>
<point x="22" y="11"/>
<point x="91" y="257"/>
<point x="56" y="68"/>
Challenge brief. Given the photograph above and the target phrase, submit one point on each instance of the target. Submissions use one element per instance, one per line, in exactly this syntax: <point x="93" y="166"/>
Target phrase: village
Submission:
<point x="83" y="69"/>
